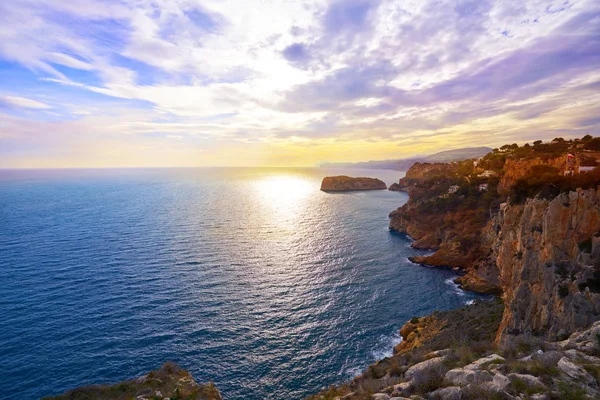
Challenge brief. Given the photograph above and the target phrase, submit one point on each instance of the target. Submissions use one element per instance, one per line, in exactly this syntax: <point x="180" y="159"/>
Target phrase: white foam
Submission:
<point x="455" y="287"/>
<point x="386" y="345"/>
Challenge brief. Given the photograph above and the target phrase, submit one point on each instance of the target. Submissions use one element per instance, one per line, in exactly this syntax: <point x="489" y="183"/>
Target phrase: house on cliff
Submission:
<point x="487" y="174"/>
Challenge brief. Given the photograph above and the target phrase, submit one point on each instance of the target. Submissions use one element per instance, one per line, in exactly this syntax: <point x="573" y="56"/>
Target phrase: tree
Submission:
<point x="537" y="142"/>
<point x="593" y="144"/>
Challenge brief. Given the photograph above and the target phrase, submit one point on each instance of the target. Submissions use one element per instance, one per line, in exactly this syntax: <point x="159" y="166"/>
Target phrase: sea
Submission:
<point x="250" y="277"/>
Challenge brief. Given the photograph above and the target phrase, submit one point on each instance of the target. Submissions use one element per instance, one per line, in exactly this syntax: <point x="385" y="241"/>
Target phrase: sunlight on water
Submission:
<point x="282" y="198"/>
<point x="252" y="278"/>
<point x="284" y="191"/>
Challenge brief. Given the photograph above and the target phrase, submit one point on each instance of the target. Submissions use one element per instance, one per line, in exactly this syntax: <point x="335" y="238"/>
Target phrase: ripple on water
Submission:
<point x="252" y="278"/>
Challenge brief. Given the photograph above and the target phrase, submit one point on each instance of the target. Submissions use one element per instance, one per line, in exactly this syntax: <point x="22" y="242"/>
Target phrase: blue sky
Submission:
<point x="185" y="82"/>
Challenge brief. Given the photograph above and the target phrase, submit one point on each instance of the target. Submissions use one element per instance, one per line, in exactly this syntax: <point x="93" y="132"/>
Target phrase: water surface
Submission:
<point x="250" y="277"/>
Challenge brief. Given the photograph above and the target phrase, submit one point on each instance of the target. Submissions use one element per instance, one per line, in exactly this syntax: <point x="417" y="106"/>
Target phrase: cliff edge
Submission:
<point x="548" y="255"/>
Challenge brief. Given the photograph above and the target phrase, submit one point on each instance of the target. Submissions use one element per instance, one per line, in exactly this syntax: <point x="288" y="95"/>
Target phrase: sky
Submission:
<point x="140" y="83"/>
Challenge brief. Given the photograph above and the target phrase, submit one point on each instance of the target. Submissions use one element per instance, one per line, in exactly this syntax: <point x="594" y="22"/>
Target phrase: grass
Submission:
<point x="167" y="380"/>
<point x="568" y="391"/>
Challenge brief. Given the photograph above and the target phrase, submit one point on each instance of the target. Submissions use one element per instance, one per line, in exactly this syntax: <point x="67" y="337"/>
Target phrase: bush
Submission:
<point x="586" y="246"/>
<point x="563" y="290"/>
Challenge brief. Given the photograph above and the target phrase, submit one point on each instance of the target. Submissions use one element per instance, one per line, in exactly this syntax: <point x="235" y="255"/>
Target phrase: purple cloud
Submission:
<point x="296" y="53"/>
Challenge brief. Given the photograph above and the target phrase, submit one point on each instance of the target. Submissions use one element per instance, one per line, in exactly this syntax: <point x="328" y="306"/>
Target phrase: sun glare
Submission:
<point x="284" y="190"/>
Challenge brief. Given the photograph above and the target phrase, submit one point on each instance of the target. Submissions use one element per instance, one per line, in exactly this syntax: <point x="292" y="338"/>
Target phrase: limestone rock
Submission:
<point x="498" y="384"/>
<point x="575" y="371"/>
<point x="346" y="183"/>
<point x="424" y="367"/>
<point x="586" y="341"/>
<point x="477" y="364"/>
<point x="402" y="389"/>
<point x="380" y="396"/>
<point x="529" y="380"/>
<point x="448" y="393"/>
<point x="395" y="187"/>
<point x="464" y="377"/>
<point x="544" y="266"/>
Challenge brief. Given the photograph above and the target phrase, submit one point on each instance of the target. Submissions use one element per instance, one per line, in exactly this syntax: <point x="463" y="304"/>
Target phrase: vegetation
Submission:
<point x="550" y="184"/>
<point x="169" y="381"/>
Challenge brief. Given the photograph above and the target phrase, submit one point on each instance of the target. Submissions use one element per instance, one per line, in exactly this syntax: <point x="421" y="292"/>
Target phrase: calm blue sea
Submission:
<point x="250" y="277"/>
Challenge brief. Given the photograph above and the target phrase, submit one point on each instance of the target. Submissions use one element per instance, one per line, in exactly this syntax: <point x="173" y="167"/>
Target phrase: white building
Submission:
<point x="452" y="189"/>
<point x="487" y="174"/>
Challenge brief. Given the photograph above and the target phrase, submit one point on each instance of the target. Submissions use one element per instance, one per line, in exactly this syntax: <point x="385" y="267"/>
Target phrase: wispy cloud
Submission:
<point x="22" y="102"/>
<point x="348" y="79"/>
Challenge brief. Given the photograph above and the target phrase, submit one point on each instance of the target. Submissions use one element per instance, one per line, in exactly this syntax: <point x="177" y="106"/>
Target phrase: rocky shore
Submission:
<point x="347" y="183"/>
<point x="452" y="356"/>
<point x="169" y="382"/>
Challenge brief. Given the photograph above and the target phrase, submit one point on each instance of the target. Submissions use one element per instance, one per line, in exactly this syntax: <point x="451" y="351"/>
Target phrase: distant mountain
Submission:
<point x="405" y="163"/>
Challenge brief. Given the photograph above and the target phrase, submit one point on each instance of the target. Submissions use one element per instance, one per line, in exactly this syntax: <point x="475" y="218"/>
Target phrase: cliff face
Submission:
<point x="437" y="217"/>
<point x="346" y="183"/>
<point x="548" y="255"/>
<point x="420" y="171"/>
<point x="515" y="169"/>
<point x="450" y="355"/>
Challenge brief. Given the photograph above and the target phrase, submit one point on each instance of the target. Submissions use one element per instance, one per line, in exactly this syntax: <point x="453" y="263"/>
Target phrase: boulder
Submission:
<point x="447" y="393"/>
<point x="464" y="377"/>
<point x="402" y="389"/>
<point x="586" y="341"/>
<point x="380" y="396"/>
<point x="529" y="380"/>
<point x="424" y="367"/>
<point x="575" y="371"/>
<point x="498" y="384"/>
<point x="548" y="357"/>
<point x="477" y="364"/>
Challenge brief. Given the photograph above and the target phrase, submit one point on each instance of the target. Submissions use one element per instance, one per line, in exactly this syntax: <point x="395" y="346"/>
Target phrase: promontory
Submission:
<point x="347" y="183"/>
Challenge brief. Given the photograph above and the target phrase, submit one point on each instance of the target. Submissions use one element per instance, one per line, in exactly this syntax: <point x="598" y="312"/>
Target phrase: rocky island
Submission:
<point x="347" y="183"/>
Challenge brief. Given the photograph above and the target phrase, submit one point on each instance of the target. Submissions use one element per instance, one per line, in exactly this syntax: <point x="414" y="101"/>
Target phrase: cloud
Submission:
<point x="309" y="73"/>
<point x="23" y="102"/>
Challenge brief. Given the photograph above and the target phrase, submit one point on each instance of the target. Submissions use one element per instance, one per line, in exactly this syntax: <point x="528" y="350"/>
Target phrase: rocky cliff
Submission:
<point x="420" y="171"/>
<point x="548" y="255"/>
<point x="446" y="213"/>
<point x="346" y="183"/>
<point x="451" y="356"/>
<point x="168" y="382"/>
<point x="515" y="169"/>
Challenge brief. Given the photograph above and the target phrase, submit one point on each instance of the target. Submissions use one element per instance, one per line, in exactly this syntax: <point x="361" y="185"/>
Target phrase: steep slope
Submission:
<point x="548" y="255"/>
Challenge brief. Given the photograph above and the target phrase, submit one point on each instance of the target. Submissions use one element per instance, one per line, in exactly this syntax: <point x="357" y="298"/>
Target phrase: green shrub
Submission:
<point x="586" y="246"/>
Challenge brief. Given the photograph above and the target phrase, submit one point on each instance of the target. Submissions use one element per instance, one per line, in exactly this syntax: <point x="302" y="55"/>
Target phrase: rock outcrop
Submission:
<point x="539" y="370"/>
<point x="548" y="255"/>
<point x="438" y="218"/>
<point x="168" y="382"/>
<point x="515" y="169"/>
<point x="346" y="183"/>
